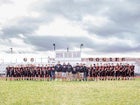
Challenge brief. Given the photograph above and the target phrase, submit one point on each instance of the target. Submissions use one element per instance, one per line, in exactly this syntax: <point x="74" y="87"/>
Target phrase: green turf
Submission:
<point x="70" y="93"/>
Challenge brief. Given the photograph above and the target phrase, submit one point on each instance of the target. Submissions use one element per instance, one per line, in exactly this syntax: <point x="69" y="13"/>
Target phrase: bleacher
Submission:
<point x="3" y="69"/>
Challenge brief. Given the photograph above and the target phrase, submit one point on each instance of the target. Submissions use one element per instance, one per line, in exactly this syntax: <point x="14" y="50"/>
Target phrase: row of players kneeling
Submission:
<point x="67" y="72"/>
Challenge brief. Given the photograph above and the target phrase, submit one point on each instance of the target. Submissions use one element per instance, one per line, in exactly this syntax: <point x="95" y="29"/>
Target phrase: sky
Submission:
<point x="104" y="27"/>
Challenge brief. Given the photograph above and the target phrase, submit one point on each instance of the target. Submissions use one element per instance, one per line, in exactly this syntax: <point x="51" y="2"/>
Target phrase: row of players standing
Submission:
<point x="51" y="72"/>
<point x="112" y="72"/>
<point x="69" y="72"/>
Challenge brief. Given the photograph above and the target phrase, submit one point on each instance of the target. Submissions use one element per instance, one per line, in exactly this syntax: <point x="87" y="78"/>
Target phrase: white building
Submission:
<point x="63" y="56"/>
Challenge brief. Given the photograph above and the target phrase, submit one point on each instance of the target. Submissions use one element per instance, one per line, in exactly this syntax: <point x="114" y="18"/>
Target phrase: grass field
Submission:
<point x="70" y="93"/>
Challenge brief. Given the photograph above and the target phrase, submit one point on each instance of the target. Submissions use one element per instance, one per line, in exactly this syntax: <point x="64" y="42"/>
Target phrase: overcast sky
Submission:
<point x="103" y="26"/>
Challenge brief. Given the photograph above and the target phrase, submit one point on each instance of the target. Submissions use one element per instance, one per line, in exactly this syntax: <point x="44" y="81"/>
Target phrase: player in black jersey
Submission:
<point x="69" y="72"/>
<point x="64" y="69"/>
<point x="74" y="74"/>
<point x="85" y="70"/>
<point x="58" y="70"/>
<point x="77" y="67"/>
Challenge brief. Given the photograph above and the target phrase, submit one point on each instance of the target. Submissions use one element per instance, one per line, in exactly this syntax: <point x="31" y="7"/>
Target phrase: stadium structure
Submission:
<point x="72" y="57"/>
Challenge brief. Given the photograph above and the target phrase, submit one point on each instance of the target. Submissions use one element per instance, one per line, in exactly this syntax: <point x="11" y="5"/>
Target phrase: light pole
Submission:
<point x="54" y="53"/>
<point x="54" y="46"/>
<point x="81" y="47"/>
<point x="11" y="50"/>
<point x="67" y="49"/>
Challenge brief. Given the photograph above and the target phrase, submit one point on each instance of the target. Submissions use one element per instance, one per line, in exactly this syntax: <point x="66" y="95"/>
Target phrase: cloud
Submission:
<point x="120" y="48"/>
<point x="18" y="44"/>
<point x="5" y="2"/>
<point x="102" y="26"/>
<point x="25" y="26"/>
<point x="123" y="18"/>
<point x="45" y="43"/>
<point x="72" y="9"/>
<point x="103" y="18"/>
<point x="111" y="45"/>
<point x="61" y="26"/>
